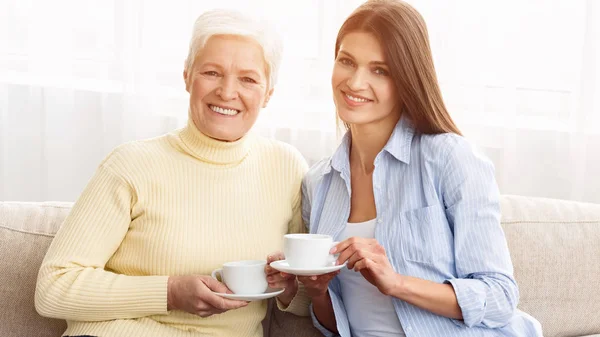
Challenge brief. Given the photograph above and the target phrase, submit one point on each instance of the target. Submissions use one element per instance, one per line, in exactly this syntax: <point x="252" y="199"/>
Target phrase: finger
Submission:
<point x="318" y="279"/>
<point x="278" y="278"/>
<point x="278" y="285"/>
<point x="275" y="257"/>
<point x="359" y="255"/>
<point x="216" y="286"/>
<point x="342" y="245"/>
<point x="349" y="251"/>
<point x="270" y="270"/>
<point x="222" y="303"/>
<point x="364" y="264"/>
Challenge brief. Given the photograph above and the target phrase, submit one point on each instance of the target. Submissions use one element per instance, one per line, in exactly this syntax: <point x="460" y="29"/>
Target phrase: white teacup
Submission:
<point x="308" y="251"/>
<point x="244" y="277"/>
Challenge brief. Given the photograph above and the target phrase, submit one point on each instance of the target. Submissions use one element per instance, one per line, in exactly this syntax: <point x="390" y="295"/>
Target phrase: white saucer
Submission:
<point x="283" y="266"/>
<point x="256" y="297"/>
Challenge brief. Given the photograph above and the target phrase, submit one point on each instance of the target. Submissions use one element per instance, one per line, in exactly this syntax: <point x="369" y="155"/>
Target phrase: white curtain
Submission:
<point x="78" y="77"/>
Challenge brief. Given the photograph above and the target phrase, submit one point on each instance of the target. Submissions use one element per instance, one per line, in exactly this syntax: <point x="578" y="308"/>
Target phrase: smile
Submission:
<point x="356" y="99"/>
<point x="223" y="111"/>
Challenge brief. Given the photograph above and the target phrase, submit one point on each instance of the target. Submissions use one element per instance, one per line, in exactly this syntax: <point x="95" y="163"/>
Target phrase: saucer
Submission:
<point x="256" y="297"/>
<point x="283" y="266"/>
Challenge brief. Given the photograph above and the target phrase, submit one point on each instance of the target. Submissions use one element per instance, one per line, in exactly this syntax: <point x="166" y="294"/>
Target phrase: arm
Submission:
<point x="485" y="288"/>
<point x="72" y="282"/>
<point x="322" y="311"/>
<point x="484" y="293"/>
<point x="317" y="287"/>
<point x="369" y="258"/>
<point x="437" y="298"/>
<point x="294" y="299"/>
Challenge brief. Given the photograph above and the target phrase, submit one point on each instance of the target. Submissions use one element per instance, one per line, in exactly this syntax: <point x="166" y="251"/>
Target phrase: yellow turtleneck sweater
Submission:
<point x="179" y="204"/>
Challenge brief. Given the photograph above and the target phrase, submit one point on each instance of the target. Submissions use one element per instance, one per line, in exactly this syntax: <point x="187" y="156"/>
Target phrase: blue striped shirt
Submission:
<point x="438" y="218"/>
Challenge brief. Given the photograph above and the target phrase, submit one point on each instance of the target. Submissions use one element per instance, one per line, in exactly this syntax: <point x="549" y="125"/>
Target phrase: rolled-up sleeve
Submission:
<point x="485" y="288"/>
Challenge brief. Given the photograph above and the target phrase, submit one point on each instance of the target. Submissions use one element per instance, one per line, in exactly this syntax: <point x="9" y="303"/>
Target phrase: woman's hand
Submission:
<point x="278" y="280"/>
<point x="368" y="257"/>
<point x="194" y="294"/>
<point x="316" y="286"/>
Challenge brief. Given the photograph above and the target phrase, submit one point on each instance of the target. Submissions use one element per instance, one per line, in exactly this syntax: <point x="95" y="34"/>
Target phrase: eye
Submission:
<point x="248" y="80"/>
<point x="381" y="71"/>
<point x="346" y="61"/>
<point x="211" y="73"/>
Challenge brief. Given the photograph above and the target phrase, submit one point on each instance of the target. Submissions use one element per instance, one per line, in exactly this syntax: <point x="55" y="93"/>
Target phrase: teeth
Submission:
<point x="222" y="111"/>
<point x="357" y="99"/>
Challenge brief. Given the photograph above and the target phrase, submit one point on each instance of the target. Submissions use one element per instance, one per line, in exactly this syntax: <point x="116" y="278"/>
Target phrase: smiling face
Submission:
<point x="363" y="89"/>
<point x="228" y="86"/>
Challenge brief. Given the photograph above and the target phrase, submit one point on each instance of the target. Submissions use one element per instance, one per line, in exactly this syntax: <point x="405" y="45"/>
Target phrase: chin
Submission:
<point x="354" y="118"/>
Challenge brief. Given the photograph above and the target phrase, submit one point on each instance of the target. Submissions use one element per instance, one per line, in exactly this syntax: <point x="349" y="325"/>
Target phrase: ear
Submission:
<point x="185" y="79"/>
<point x="269" y="94"/>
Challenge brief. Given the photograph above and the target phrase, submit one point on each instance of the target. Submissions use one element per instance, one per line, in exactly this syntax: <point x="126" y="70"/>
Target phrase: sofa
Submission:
<point x="555" y="248"/>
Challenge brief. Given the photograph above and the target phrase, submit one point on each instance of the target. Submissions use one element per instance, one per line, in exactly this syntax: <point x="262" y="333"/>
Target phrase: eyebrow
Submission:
<point x="243" y="71"/>
<point x="372" y="62"/>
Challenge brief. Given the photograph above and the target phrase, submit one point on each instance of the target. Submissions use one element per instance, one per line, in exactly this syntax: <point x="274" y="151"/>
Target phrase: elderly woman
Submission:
<point x="160" y="214"/>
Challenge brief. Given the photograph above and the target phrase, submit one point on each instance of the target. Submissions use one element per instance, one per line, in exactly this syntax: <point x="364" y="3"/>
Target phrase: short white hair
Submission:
<point x="230" y="22"/>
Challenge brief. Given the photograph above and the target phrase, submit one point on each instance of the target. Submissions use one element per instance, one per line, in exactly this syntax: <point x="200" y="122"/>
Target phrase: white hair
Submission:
<point x="229" y="22"/>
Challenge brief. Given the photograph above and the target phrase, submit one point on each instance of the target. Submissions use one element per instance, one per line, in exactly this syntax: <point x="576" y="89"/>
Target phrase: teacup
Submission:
<point x="244" y="277"/>
<point x="308" y="251"/>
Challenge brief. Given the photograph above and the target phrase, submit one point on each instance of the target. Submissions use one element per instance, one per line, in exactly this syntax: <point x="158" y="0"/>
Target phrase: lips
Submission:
<point x="223" y="110"/>
<point x="356" y="98"/>
<point x="353" y="100"/>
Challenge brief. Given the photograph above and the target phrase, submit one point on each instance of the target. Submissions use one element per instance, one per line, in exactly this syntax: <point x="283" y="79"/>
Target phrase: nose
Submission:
<point x="357" y="81"/>
<point x="228" y="89"/>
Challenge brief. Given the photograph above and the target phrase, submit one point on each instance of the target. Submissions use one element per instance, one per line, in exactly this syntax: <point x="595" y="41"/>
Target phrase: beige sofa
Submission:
<point x="555" y="247"/>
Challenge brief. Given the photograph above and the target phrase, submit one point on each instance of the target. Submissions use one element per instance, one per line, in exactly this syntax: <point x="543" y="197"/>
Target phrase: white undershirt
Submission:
<point x="370" y="313"/>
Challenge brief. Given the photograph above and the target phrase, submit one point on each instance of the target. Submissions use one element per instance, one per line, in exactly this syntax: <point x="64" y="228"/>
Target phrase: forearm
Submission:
<point x="91" y="294"/>
<point x="437" y="298"/>
<point x="323" y="310"/>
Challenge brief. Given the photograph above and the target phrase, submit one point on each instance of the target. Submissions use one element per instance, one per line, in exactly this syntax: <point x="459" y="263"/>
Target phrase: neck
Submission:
<point x="211" y="150"/>
<point x="367" y="140"/>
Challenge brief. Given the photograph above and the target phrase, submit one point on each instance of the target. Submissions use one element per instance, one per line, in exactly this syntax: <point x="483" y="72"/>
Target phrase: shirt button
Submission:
<point x="408" y="328"/>
<point x="379" y="220"/>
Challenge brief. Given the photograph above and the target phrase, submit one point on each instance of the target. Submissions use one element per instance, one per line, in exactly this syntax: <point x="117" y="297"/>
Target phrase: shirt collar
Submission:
<point x="400" y="141"/>
<point x="398" y="146"/>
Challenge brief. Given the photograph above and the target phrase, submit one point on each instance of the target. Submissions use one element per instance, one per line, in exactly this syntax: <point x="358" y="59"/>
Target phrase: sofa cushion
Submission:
<point x="26" y="230"/>
<point x="555" y="249"/>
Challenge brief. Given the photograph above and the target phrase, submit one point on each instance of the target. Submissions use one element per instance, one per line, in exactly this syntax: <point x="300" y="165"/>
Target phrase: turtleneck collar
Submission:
<point x="211" y="150"/>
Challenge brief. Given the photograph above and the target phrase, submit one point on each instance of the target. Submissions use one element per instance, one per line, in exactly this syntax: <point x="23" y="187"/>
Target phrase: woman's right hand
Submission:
<point x="194" y="294"/>
<point x="316" y="285"/>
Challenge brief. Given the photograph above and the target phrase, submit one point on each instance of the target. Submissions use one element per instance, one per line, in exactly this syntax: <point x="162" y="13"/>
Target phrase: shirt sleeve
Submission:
<point x="485" y="288"/>
<point x="72" y="282"/>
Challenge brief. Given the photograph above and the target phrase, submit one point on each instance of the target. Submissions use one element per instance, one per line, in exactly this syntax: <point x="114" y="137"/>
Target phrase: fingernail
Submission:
<point x="313" y="278"/>
<point x="333" y="250"/>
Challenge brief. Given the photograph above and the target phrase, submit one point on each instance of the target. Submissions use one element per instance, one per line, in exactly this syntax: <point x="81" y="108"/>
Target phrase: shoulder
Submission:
<point x="279" y="154"/>
<point x="440" y="145"/>
<point x="123" y="157"/>
<point x="451" y="149"/>
<point x="315" y="174"/>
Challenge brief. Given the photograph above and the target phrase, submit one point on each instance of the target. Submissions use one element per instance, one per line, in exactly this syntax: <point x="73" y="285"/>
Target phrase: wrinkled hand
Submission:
<point x="278" y="280"/>
<point x="316" y="285"/>
<point x="368" y="257"/>
<point x="194" y="294"/>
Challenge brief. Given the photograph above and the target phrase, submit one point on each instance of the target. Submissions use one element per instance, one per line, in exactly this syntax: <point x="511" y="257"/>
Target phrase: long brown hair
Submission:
<point x="402" y="33"/>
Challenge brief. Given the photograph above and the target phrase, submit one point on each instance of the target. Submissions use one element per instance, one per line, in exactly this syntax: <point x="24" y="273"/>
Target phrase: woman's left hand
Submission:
<point x="278" y="279"/>
<point x="368" y="257"/>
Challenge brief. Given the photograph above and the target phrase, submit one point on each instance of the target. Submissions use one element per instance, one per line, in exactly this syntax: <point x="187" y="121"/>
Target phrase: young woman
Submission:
<point x="415" y="207"/>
